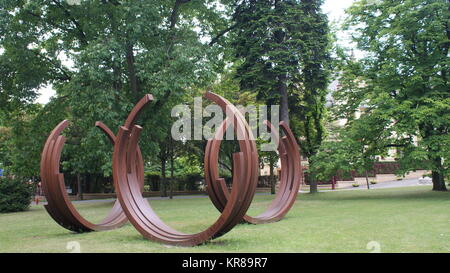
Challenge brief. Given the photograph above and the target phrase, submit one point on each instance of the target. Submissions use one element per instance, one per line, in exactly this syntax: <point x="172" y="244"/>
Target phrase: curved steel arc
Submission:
<point x="289" y="182"/>
<point x="128" y="175"/>
<point x="58" y="204"/>
<point x="211" y="173"/>
<point x="147" y="222"/>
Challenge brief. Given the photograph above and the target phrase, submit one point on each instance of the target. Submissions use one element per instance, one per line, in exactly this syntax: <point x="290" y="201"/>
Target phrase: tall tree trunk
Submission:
<point x="312" y="179"/>
<point x="134" y="84"/>
<point x="171" y="171"/>
<point x="437" y="173"/>
<point x="280" y="37"/>
<point x="271" y="175"/>
<point x="438" y="181"/>
<point x="312" y="184"/>
<point x="163" y="180"/>
<point x="284" y="106"/>
<point x="367" y="180"/>
<point x="88" y="183"/>
<point x="79" y="188"/>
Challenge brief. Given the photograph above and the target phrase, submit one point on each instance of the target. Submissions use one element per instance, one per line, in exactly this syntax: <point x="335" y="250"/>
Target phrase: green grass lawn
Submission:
<point x="411" y="219"/>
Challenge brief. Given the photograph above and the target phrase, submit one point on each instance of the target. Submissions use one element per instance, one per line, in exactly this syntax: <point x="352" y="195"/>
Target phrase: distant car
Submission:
<point x="425" y="180"/>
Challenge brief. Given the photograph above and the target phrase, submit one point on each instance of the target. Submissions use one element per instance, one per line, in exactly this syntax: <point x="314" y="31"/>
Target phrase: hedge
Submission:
<point x="15" y="195"/>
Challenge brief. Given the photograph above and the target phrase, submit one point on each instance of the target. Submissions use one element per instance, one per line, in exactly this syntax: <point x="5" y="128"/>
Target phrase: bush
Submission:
<point x="189" y="182"/>
<point x="355" y="185"/>
<point x="152" y="179"/>
<point x="373" y="182"/>
<point x="15" y="195"/>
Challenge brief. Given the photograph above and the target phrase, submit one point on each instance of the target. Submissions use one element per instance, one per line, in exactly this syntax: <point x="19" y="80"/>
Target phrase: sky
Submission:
<point x="334" y="8"/>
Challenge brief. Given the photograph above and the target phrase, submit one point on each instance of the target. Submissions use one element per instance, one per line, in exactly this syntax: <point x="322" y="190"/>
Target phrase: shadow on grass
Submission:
<point x="68" y="233"/>
<point x="137" y="238"/>
<point x="221" y="242"/>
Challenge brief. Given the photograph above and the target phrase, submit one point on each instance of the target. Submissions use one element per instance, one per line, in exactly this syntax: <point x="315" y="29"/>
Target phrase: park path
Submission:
<point x="414" y="182"/>
<point x="382" y="185"/>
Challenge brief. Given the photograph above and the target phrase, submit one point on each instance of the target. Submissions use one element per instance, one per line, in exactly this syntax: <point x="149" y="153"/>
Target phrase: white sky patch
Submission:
<point x="66" y="61"/>
<point x="46" y="93"/>
<point x="336" y="9"/>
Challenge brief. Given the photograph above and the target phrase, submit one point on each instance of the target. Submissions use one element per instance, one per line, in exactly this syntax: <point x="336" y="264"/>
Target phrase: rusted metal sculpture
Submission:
<point x="58" y="204"/>
<point x="289" y="182"/>
<point x="147" y="222"/>
<point x="128" y="175"/>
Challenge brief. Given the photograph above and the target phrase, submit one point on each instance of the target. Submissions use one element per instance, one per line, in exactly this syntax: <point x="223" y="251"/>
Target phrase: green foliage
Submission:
<point x="354" y="147"/>
<point x="307" y="104"/>
<point x="281" y="42"/>
<point x="23" y="135"/>
<point x="188" y="166"/>
<point x="15" y="195"/>
<point x="284" y="52"/>
<point x="5" y="135"/>
<point x="188" y="182"/>
<point x="101" y="57"/>
<point x="402" y="82"/>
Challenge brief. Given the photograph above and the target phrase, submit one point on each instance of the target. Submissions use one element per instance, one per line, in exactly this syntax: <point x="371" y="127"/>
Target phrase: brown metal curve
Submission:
<point x="147" y="222"/>
<point x="290" y="180"/>
<point x="216" y="187"/>
<point x="139" y="166"/>
<point x="128" y="175"/>
<point x="58" y="204"/>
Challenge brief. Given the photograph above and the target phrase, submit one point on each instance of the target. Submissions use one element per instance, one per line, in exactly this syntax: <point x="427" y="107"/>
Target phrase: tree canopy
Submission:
<point x="102" y="56"/>
<point x="402" y="82"/>
<point x="285" y="47"/>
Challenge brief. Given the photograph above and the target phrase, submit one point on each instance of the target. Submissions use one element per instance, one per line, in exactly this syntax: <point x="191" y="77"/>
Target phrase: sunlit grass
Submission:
<point x="412" y="219"/>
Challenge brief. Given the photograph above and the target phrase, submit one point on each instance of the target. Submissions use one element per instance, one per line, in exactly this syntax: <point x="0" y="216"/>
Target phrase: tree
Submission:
<point x="405" y="82"/>
<point x="15" y="194"/>
<point x="284" y="46"/>
<point x="270" y="39"/>
<point x="5" y="135"/>
<point x="354" y="147"/>
<point x="270" y="158"/>
<point x="102" y="57"/>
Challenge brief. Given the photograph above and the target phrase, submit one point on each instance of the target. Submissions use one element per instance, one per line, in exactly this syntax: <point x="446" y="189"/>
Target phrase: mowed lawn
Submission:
<point x="411" y="219"/>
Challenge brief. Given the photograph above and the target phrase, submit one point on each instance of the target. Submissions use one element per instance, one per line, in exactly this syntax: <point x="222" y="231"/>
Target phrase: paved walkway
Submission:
<point x="385" y="185"/>
<point x="382" y="185"/>
<point x="148" y="198"/>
